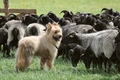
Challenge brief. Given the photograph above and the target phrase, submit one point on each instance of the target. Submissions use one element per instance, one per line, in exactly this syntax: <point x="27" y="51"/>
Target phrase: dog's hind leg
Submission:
<point x="42" y="62"/>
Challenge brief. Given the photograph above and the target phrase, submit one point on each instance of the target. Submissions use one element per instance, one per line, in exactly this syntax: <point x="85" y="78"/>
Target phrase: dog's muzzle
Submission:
<point x="58" y="38"/>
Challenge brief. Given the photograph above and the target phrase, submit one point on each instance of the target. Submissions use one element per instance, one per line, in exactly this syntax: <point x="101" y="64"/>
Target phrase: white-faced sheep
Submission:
<point x="100" y="43"/>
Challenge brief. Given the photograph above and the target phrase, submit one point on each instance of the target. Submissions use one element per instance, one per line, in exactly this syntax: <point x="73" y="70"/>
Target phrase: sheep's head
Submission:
<point x="70" y="38"/>
<point x="76" y="54"/>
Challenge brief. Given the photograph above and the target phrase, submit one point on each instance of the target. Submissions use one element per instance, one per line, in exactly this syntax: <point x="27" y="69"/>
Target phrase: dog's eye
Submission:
<point x="55" y="32"/>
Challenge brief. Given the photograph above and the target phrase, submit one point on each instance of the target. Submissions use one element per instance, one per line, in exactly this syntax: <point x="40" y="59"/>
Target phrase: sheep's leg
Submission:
<point x="100" y="63"/>
<point x="105" y="64"/>
<point x="109" y="65"/>
<point x="3" y="49"/>
<point x="8" y="51"/>
<point x="66" y="55"/>
<point x="118" y="65"/>
<point x="94" y="62"/>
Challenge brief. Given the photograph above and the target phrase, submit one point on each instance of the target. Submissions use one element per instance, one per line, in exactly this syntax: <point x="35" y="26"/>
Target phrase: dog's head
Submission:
<point x="54" y="31"/>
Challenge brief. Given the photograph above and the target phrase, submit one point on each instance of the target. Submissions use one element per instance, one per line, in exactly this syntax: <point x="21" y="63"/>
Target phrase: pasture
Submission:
<point x="63" y="70"/>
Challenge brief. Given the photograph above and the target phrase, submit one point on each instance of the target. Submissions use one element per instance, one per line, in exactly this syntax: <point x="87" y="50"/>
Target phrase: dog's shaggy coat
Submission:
<point x="44" y="46"/>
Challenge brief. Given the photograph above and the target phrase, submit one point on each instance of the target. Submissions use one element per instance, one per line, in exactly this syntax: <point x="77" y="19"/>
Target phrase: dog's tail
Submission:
<point x="23" y="57"/>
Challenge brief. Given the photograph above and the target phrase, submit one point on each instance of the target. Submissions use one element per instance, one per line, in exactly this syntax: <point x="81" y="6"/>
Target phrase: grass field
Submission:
<point x="62" y="70"/>
<point x="44" y="6"/>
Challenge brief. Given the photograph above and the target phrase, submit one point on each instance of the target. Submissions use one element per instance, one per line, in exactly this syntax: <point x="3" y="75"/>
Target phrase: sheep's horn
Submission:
<point x="104" y="9"/>
<point x="1" y="17"/>
<point x="64" y="11"/>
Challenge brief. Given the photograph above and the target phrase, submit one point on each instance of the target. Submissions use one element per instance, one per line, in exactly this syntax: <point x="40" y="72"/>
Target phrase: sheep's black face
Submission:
<point x="75" y="59"/>
<point x="86" y="60"/>
<point x="70" y="38"/>
<point x="75" y="56"/>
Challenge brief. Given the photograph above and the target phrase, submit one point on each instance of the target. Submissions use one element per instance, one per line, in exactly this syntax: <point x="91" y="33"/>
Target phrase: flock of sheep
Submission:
<point x="91" y="38"/>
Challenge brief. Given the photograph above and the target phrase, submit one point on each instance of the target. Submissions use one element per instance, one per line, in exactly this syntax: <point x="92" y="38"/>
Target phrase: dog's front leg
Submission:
<point x="50" y="62"/>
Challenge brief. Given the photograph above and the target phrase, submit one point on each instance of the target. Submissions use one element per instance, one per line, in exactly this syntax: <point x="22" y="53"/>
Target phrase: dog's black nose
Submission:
<point x="59" y="36"/>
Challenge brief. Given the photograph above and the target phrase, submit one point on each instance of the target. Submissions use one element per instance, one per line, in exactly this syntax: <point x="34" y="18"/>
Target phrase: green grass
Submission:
<point x="44" y="6"/>
<point x="62" y="70"/>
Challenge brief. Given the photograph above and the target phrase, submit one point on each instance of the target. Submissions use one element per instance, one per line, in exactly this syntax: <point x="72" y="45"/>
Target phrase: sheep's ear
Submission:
<point x="82" y="55"/>
<point x="84" y="30"/>
<point x="73" y="34"/>
<point x="49" y="27"/>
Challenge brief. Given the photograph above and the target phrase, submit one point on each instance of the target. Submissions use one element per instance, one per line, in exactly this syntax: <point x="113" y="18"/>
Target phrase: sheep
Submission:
<point x="26" y="20"/>
<point x="53" y="16"/>
<point x="29" y="18"/>
<point x="117" y="42"/>
<point x="3" y="41"/>
<point x="64" y="21"/>
<point x="76" y="52"/>
<point x="109" y="11"/>
<point x="16" y="29"/>
<point x="81" y="28"/>
<point x="68" y="14"/>
<point x="64" y="51"/>
<point x="12" y="17"/>
<point x="14" y="22"/>
<point x="100" y="43"/>
<point x="77" y="28"/>
<point x="44" y="19"/>
<point x="79" y="53"/>
<point x="15" y="33"/>
<point x="89" y="19"/>
<point x="35" y="29"/>
<point x="71" y="28"/>
<point x="3" y="20"/>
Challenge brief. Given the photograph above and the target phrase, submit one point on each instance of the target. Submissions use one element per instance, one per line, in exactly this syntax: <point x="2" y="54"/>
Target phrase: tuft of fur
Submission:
<point x="43" y="46"/>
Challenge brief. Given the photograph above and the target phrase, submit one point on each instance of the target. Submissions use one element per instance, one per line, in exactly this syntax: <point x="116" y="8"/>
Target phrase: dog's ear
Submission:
<point x="49" y="27"/>
<point x="56" y="24"/>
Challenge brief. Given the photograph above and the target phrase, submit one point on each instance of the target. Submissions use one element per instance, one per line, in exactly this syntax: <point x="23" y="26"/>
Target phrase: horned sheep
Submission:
<point x="100" y="43"/>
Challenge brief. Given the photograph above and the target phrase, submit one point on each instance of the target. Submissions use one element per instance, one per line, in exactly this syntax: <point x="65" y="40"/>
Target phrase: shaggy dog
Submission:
<point x="45" y="46"/>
